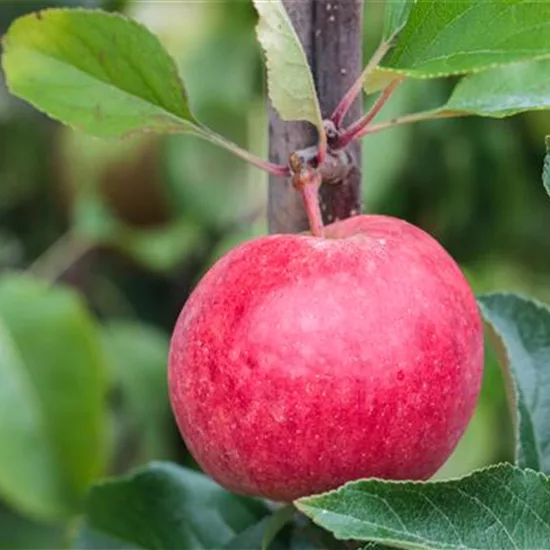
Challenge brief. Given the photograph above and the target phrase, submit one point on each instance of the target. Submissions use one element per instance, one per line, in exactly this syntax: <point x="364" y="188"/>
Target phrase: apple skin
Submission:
<point x="300" y="363"/>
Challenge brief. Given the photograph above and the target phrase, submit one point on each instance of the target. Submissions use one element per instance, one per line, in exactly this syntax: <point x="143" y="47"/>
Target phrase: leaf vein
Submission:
<point x="490" y="512"/>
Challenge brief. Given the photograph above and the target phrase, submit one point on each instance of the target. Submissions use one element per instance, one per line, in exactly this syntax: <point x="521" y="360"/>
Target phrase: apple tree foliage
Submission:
<point x="108" y="76"/>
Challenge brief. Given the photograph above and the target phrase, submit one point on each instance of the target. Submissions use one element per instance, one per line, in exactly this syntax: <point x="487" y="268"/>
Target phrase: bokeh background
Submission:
<point x="124" y="230"/>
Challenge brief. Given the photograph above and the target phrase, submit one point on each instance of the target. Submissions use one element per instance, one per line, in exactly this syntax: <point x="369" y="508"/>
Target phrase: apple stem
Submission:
<point x="360" y="128"/>
<point x="310" y="196"/>
<point x="306" y="180"/>
<point x="343" y="107"/>
<point x="322" y="147"/>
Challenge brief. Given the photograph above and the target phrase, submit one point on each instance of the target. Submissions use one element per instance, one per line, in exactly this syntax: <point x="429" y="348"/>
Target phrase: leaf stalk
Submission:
<point x="408" y="119"/>
<point x="360" y="127"/>
<point x="343" y="107"/>
<point x="269" y="167"/>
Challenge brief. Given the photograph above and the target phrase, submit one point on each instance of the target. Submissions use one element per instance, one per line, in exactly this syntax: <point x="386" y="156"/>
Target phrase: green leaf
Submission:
<point x="443" y="38"/>
<point x="51" y="398"/>
<point x="546" y="167"/>
<point x="99" y="72"/>
<point x="497" y="508"/>
<point x="168" y="507"/>
<point x="137" y="354"/>
<point x="289" y="79"/>
<point x="523" y="327"/>
<point x="498" y="93"/>
<point x="503" y="91"/>
<point x="29" y="478"/>
<point x="396" y="15"/>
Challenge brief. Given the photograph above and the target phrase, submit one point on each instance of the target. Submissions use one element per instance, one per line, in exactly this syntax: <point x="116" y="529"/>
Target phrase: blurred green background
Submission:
<point x="124" y="230"/>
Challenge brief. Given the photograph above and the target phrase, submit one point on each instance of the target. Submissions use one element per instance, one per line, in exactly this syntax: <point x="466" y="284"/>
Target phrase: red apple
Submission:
<point x="300" y="363"/>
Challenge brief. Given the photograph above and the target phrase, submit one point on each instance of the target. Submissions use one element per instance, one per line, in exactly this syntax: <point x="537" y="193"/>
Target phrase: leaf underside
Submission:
<point x="499" y="508"/>
<point x="523" y="327"/>
<point x="290" y="82"/>
<point x="500" y="92"/>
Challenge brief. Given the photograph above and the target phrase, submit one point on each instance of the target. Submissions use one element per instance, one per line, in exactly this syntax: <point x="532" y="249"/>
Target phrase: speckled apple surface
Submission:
<point x="300" y="363"/>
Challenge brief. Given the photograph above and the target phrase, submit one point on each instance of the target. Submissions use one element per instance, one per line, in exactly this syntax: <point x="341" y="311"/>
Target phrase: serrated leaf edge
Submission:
<point x="412" y="73"/>
<point x="419" y="483"/>
<point x="319" y="122"/>
<point x="398" y="543"/>
<point x="193" y="125"/>
<point x="43" y="13"/>
<point x="181" y="125"/>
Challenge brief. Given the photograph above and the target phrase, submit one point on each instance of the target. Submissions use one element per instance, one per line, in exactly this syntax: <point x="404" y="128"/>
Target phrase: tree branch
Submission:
<point x="331" y="34"/>
<point x="338" y="60"/>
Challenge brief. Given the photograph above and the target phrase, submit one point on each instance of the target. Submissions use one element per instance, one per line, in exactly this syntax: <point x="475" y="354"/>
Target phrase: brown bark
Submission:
<point x="331" y="34"/>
